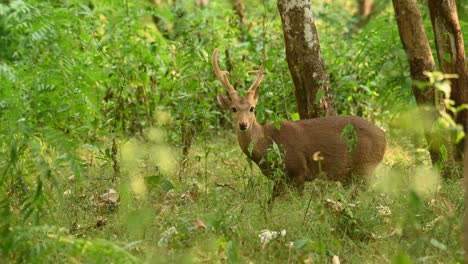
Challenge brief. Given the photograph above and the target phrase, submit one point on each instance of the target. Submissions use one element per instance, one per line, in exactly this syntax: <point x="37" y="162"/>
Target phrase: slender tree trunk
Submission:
<point x="465" y="175"/>
<point x="239" y="9"/>
<point x="366" y="9"/>
<point x="414" y="39"/>
<point x="202" y="3"/>
<point x="314" y="96"/>
<point x="451" y="54"/>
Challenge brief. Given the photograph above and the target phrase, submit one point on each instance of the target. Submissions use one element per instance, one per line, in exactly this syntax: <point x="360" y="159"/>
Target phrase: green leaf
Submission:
<point x="415" y="200"/>
<point x="295" y="117"/>
<point x="319" y="96"/>
<point x="268" y="64"/>
<point x="63" y="107"/>
<point x="91" y="147"/>
<point x="350" y="135"/>
<point x="448" y="57"/>
<point x="402" y="258"/>
<point x="438" y="244"/>
<point x="444" y="152"/>
<point x="460" y="136"/>
<point x="232" y="251"/>
<point x="166" y="185"/>
<point x="153" y="180"/>
<point x="300" y="243"/>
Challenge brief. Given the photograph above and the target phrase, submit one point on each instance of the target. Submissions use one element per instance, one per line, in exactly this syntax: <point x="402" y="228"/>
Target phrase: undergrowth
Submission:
<point x="112" y="148"/>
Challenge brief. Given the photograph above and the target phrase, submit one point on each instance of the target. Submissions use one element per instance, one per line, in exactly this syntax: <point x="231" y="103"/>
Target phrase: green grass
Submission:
<point x="218" y="210"/>
<point x="77" y="75"/>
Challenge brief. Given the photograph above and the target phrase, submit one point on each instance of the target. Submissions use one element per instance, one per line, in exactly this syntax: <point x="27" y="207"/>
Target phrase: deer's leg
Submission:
<point x="278" y="188"/>
<point x="297" y="182"/>
<point x="297" y="177"/>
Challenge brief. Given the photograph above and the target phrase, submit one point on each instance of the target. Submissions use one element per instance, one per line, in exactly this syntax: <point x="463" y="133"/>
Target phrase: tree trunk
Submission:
<point x="312" y="86"/>
<point x="366" y="9"/>
<point x="451" y="54"/>
<point x="239" y="8"/>
<point x="202" y="3"/>
<point x="465" y="175"/>
<point x="414" y="39"/>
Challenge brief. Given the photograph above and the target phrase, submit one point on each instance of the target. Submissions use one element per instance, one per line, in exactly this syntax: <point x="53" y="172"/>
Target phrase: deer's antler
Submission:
<point x="222" y="75"/>
<point x="259" y="77"/>
<point x="258" y="80"/>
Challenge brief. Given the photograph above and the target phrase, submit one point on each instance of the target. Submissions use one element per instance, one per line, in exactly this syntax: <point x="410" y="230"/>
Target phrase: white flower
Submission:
<point x="266" y="236"/>
<point x="283" y="232"/>
<point x="67" y="193"/>
<point x="336" y="260"/>
<point x="384" y="210"/>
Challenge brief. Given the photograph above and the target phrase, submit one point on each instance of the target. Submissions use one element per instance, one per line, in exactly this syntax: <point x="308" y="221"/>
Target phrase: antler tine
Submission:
<point x="259" y="74"/>
<point x="258" y="80"/>
<point x="222" y="75"/>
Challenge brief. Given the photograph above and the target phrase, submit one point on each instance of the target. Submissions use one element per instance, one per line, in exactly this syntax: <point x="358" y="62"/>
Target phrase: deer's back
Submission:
<point x="302" y="139"/>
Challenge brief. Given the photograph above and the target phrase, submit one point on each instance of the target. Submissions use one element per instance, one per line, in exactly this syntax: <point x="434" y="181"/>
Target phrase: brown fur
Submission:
<point x="301" y="139"/>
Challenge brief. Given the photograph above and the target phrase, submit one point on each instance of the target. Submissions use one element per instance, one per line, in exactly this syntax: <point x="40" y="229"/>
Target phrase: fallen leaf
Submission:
<point x="336" y="206"/>
<point x="67" y="193"/>
<point x="100" y="222"/>
<point x="309" y="260"/>
<point x="199" y="224"/>
<point x="110" y="196"/>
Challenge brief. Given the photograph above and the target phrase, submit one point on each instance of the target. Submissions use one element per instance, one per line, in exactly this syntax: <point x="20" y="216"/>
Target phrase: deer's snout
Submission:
<point x="243" y="126"/>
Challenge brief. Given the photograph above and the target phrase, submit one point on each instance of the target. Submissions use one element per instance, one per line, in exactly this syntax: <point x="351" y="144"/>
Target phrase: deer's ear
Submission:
<point x="224" y="101"/>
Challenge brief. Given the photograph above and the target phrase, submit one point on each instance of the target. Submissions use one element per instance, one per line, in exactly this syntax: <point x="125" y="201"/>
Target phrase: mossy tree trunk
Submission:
<point x="314" y="96"/>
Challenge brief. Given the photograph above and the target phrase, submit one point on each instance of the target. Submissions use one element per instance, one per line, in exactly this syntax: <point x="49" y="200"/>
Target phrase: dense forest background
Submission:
<point x="113" y="148"/>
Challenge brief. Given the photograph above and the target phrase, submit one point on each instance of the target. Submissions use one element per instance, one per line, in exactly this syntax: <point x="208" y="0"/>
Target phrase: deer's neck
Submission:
<point x="252" y="140"/>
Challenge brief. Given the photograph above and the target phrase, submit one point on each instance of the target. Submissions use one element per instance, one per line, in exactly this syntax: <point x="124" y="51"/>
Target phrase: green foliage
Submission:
<point x="275" y="159"/>
<point x="100" y="95"/>
<point x="446" y="106"/>
<point x="350" y="135"/>
<point x="40" y="244"/>
<point x="366" y="65"/>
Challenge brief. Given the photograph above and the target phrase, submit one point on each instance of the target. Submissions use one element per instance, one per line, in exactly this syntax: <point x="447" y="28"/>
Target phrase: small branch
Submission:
<point x="225" y="185"/>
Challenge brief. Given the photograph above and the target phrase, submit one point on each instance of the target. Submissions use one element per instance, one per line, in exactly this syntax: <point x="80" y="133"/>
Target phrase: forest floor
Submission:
<point x="216" y="211"/>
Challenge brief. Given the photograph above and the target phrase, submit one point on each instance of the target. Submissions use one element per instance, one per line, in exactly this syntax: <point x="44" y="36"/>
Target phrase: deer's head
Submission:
<point x="243" y="108"/>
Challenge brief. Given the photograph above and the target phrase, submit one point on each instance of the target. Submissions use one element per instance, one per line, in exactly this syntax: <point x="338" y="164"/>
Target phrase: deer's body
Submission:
<point x="300" y="140"/>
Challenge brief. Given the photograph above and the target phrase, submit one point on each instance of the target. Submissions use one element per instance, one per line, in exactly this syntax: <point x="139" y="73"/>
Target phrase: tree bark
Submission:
<point x="314" y="96"/>
<point x="202" y="3"/>
<point x="415" y="43"/>
<point x="366" y="9"/>
<point x="465" y="175"/>
<point x="451" y="54"/>
<point x="239" y="8"/>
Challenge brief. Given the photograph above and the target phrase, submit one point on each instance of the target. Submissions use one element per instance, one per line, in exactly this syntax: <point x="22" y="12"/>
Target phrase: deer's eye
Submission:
<point x="234" y="109"/>
<point x="252" y="109"/>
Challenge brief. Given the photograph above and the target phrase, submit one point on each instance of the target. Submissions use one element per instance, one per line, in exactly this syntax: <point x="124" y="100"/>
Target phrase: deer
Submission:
<point x="311" y="147"/>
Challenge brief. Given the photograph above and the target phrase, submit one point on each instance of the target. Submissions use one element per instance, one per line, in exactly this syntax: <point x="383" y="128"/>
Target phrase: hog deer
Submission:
<point x="300" y="140"/>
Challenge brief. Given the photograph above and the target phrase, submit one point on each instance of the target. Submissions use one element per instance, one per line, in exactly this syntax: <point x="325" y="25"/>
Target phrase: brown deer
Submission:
<point x="300" y="140"/>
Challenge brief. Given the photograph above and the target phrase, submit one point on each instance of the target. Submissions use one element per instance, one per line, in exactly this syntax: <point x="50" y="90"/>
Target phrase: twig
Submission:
<point x="225" y="185"/>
